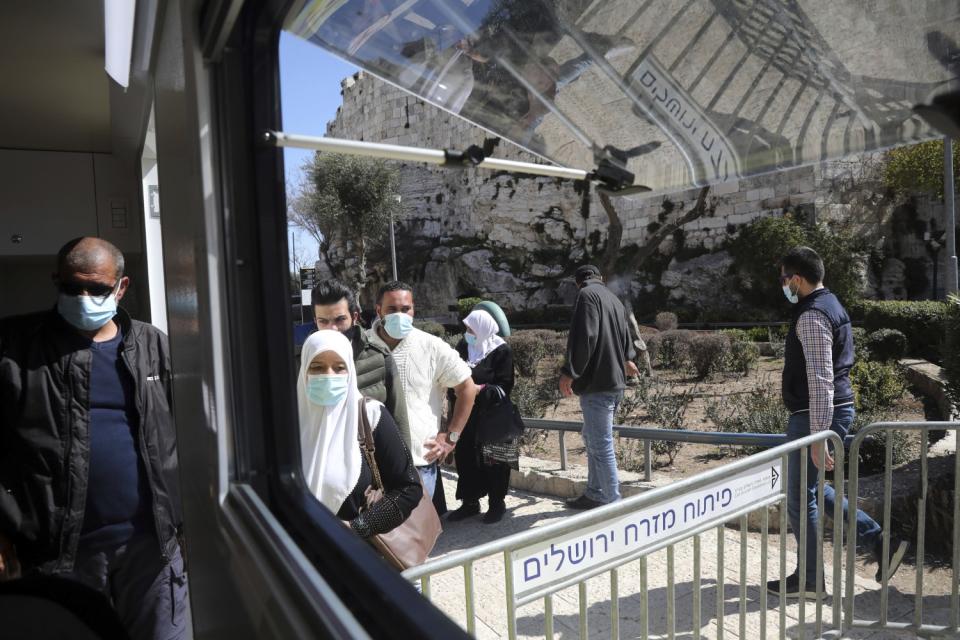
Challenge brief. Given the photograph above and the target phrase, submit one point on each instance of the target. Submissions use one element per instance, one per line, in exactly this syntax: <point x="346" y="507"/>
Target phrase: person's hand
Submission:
<point x="631" y="369"/>
<point x="566" y="385"/>
<point x="9" y="565"/>
<point x="815" y="453"/>
<point x="437" y="448"/>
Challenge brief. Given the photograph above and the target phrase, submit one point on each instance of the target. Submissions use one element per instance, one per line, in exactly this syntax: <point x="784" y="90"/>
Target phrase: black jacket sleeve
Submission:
<point x="401" y="482"/>
<point x="584" y="334"/>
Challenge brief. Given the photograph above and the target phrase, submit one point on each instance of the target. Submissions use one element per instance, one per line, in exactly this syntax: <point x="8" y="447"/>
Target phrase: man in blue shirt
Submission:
<point x="88" y="462"/>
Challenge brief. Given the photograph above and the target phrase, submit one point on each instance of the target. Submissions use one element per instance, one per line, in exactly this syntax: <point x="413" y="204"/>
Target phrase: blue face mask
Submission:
<point x="85" y="314"/>
<point x="326" y="390"/>
<point x="791" y="296"/>
<point x="471" y="339"/>
<point x="398" y="325"/>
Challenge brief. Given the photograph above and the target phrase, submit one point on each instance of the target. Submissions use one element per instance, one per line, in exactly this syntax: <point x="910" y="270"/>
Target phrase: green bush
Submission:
<point x="534" y="396"/>
<point x="887" y="344"/>
<point x="744" y="353"/>
<point x="453" y="339"/>
<point x="758" y="334"/>
<point x="873" y="449"/>
<point x="876" y="385"/>
<point x="466" y="305"/>
<point x="758" y="248"/>
<point x="670" y="349"/>
<point x="951" y="349"/>
<point x="666" y="410"/>
<point x="757" y="251"/>
<point x="431" y="327"/>
<point x="554" y="342"/>
<point x="759" y="411"/>
<point x="921" y="321"/>
<point x="860" y="351"/>
<point x="666" y="321"/>
<point x="709" y="353"/>
<point x="528" y="351"/>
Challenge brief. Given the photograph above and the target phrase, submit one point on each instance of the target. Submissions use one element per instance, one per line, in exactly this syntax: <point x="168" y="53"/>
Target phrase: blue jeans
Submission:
<point x="149" y="595"/>
<point x="428" y="475"/>
<point x="598" y="411"/>
<point x="868" y="531"/>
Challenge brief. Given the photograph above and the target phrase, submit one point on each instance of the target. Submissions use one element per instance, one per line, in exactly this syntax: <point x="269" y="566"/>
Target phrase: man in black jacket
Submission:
<point x="599" y="358"/>
<point x="88" y="458"/>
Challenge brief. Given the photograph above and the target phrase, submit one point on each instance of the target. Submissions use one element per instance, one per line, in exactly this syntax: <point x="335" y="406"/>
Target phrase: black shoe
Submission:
<point x="495" y="513"/>
<point x="582" y="502"/>
<point x="465" y="510"/>
<point x="793" y="588"/>
<point x="898" y="549"/>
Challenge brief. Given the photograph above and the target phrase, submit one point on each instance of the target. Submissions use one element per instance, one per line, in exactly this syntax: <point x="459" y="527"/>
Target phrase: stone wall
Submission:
<point x="518" y="239"/>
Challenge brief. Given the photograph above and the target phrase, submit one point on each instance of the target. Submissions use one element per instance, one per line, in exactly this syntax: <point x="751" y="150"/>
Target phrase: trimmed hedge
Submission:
<point x="887" y="344"/>
<point x="921" y="321"/>
<point x="951" y="350"/>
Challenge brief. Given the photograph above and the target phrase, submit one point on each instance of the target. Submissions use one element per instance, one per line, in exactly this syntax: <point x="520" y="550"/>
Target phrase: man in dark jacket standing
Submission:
<point x="599" y="358"/>
<point x="819" y="395"/>
<point x="88" y="458"/>
<point x="335" y="307"/>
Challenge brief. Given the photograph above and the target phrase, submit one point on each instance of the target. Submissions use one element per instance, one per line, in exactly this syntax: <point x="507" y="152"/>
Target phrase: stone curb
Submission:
<point x="546" y="478"/>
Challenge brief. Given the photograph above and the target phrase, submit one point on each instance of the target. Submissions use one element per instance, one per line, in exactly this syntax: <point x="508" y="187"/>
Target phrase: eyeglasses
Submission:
<point x="785" y="277"/>
<point x="98" y="293"/>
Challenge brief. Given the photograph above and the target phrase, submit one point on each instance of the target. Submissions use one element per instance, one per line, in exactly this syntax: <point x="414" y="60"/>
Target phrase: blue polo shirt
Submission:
<point x="118" y="493"/>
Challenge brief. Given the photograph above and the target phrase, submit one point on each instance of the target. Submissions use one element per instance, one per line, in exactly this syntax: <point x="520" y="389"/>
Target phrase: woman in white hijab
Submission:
<point x="484" y="468"/>
<point x="333" y="466"/>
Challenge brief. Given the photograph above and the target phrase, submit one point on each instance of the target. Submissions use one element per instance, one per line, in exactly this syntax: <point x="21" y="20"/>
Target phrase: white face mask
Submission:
<point x="790" y="295"/>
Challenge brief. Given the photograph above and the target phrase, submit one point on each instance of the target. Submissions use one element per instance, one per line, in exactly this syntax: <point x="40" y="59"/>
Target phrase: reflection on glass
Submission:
<point x="689" y="91"/>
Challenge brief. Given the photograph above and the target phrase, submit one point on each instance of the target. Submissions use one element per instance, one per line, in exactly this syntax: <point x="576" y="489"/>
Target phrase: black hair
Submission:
<point x="393" y="285"/>
<point x="332" y="292"/>
<point x="85" y="259"/>
<point x="804" y="262"/>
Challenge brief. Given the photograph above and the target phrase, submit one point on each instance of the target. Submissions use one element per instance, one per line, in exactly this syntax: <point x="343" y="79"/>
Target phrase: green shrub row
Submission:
<point x="920" y="321"/>
<point x="701" y="354"/>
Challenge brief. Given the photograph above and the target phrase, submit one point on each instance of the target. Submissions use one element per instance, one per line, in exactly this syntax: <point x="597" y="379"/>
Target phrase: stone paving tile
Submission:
<point x="530" y="510"/>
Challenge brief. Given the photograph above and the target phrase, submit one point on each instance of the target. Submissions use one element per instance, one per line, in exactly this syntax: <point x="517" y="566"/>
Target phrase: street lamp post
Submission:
<point x="393" y="244"/>
<point x="950" y="215"/>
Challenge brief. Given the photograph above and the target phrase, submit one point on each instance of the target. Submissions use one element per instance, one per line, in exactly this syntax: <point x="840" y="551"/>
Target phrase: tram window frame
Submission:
<point x="266" y="452"/>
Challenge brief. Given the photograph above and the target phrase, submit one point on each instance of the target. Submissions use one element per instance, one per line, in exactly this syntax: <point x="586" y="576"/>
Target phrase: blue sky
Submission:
<point x="309" y="96"/>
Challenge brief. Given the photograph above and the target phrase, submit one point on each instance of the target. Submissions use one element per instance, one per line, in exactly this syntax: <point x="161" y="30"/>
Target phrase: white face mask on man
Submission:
<point x="398" y="325"/>
<point x="791" y="295"/>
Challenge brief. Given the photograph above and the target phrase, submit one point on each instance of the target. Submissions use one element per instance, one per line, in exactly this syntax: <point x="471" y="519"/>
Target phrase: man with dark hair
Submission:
<point x="88" y="457"/>
<point x="599" y="358"/>
<point x="428" y="366"/>
<point x="335" y="307"/>
<point x="818" y="393"/>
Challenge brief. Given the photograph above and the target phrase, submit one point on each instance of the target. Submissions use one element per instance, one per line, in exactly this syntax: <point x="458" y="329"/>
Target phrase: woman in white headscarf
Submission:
<point x="333" y="465"/>
<point x="484" y="468"/>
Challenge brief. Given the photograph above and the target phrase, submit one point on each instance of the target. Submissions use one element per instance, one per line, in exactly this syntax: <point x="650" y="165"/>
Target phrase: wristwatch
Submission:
<point x="453" y="436"/>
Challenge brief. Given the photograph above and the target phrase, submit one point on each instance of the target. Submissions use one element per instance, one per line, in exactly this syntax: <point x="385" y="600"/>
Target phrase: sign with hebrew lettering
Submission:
<point x="627" y="536"/>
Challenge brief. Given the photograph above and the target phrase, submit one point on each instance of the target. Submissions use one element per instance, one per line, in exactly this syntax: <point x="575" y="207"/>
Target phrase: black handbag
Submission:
<point x="498" y="420"/>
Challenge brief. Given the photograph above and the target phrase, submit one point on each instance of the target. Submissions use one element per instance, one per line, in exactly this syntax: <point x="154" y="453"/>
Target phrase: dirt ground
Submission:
<point x="692" y="458"/>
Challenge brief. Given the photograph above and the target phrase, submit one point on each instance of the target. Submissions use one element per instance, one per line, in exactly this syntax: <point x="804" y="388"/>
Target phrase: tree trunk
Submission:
<point x="608" y="261"/>
<point x="699" y="209"/>
<point x="361" y="265"/>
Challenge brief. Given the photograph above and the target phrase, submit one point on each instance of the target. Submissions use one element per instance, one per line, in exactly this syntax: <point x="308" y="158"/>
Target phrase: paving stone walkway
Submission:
<point x="528" y="510"/>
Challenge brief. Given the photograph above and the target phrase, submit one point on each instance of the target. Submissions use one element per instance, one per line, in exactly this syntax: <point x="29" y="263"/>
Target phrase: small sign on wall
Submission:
<point x="153" y="200"/>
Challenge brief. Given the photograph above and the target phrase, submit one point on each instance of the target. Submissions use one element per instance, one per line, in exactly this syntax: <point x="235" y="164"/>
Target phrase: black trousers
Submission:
<point x="477" y="479"/>
<point x="149" y="595"/>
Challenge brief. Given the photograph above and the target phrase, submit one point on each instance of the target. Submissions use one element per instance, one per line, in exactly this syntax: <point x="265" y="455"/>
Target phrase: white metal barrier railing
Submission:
<point x="535" y="567"/>
<point x="603" y="540"/>
<point x="917" y="626"/>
